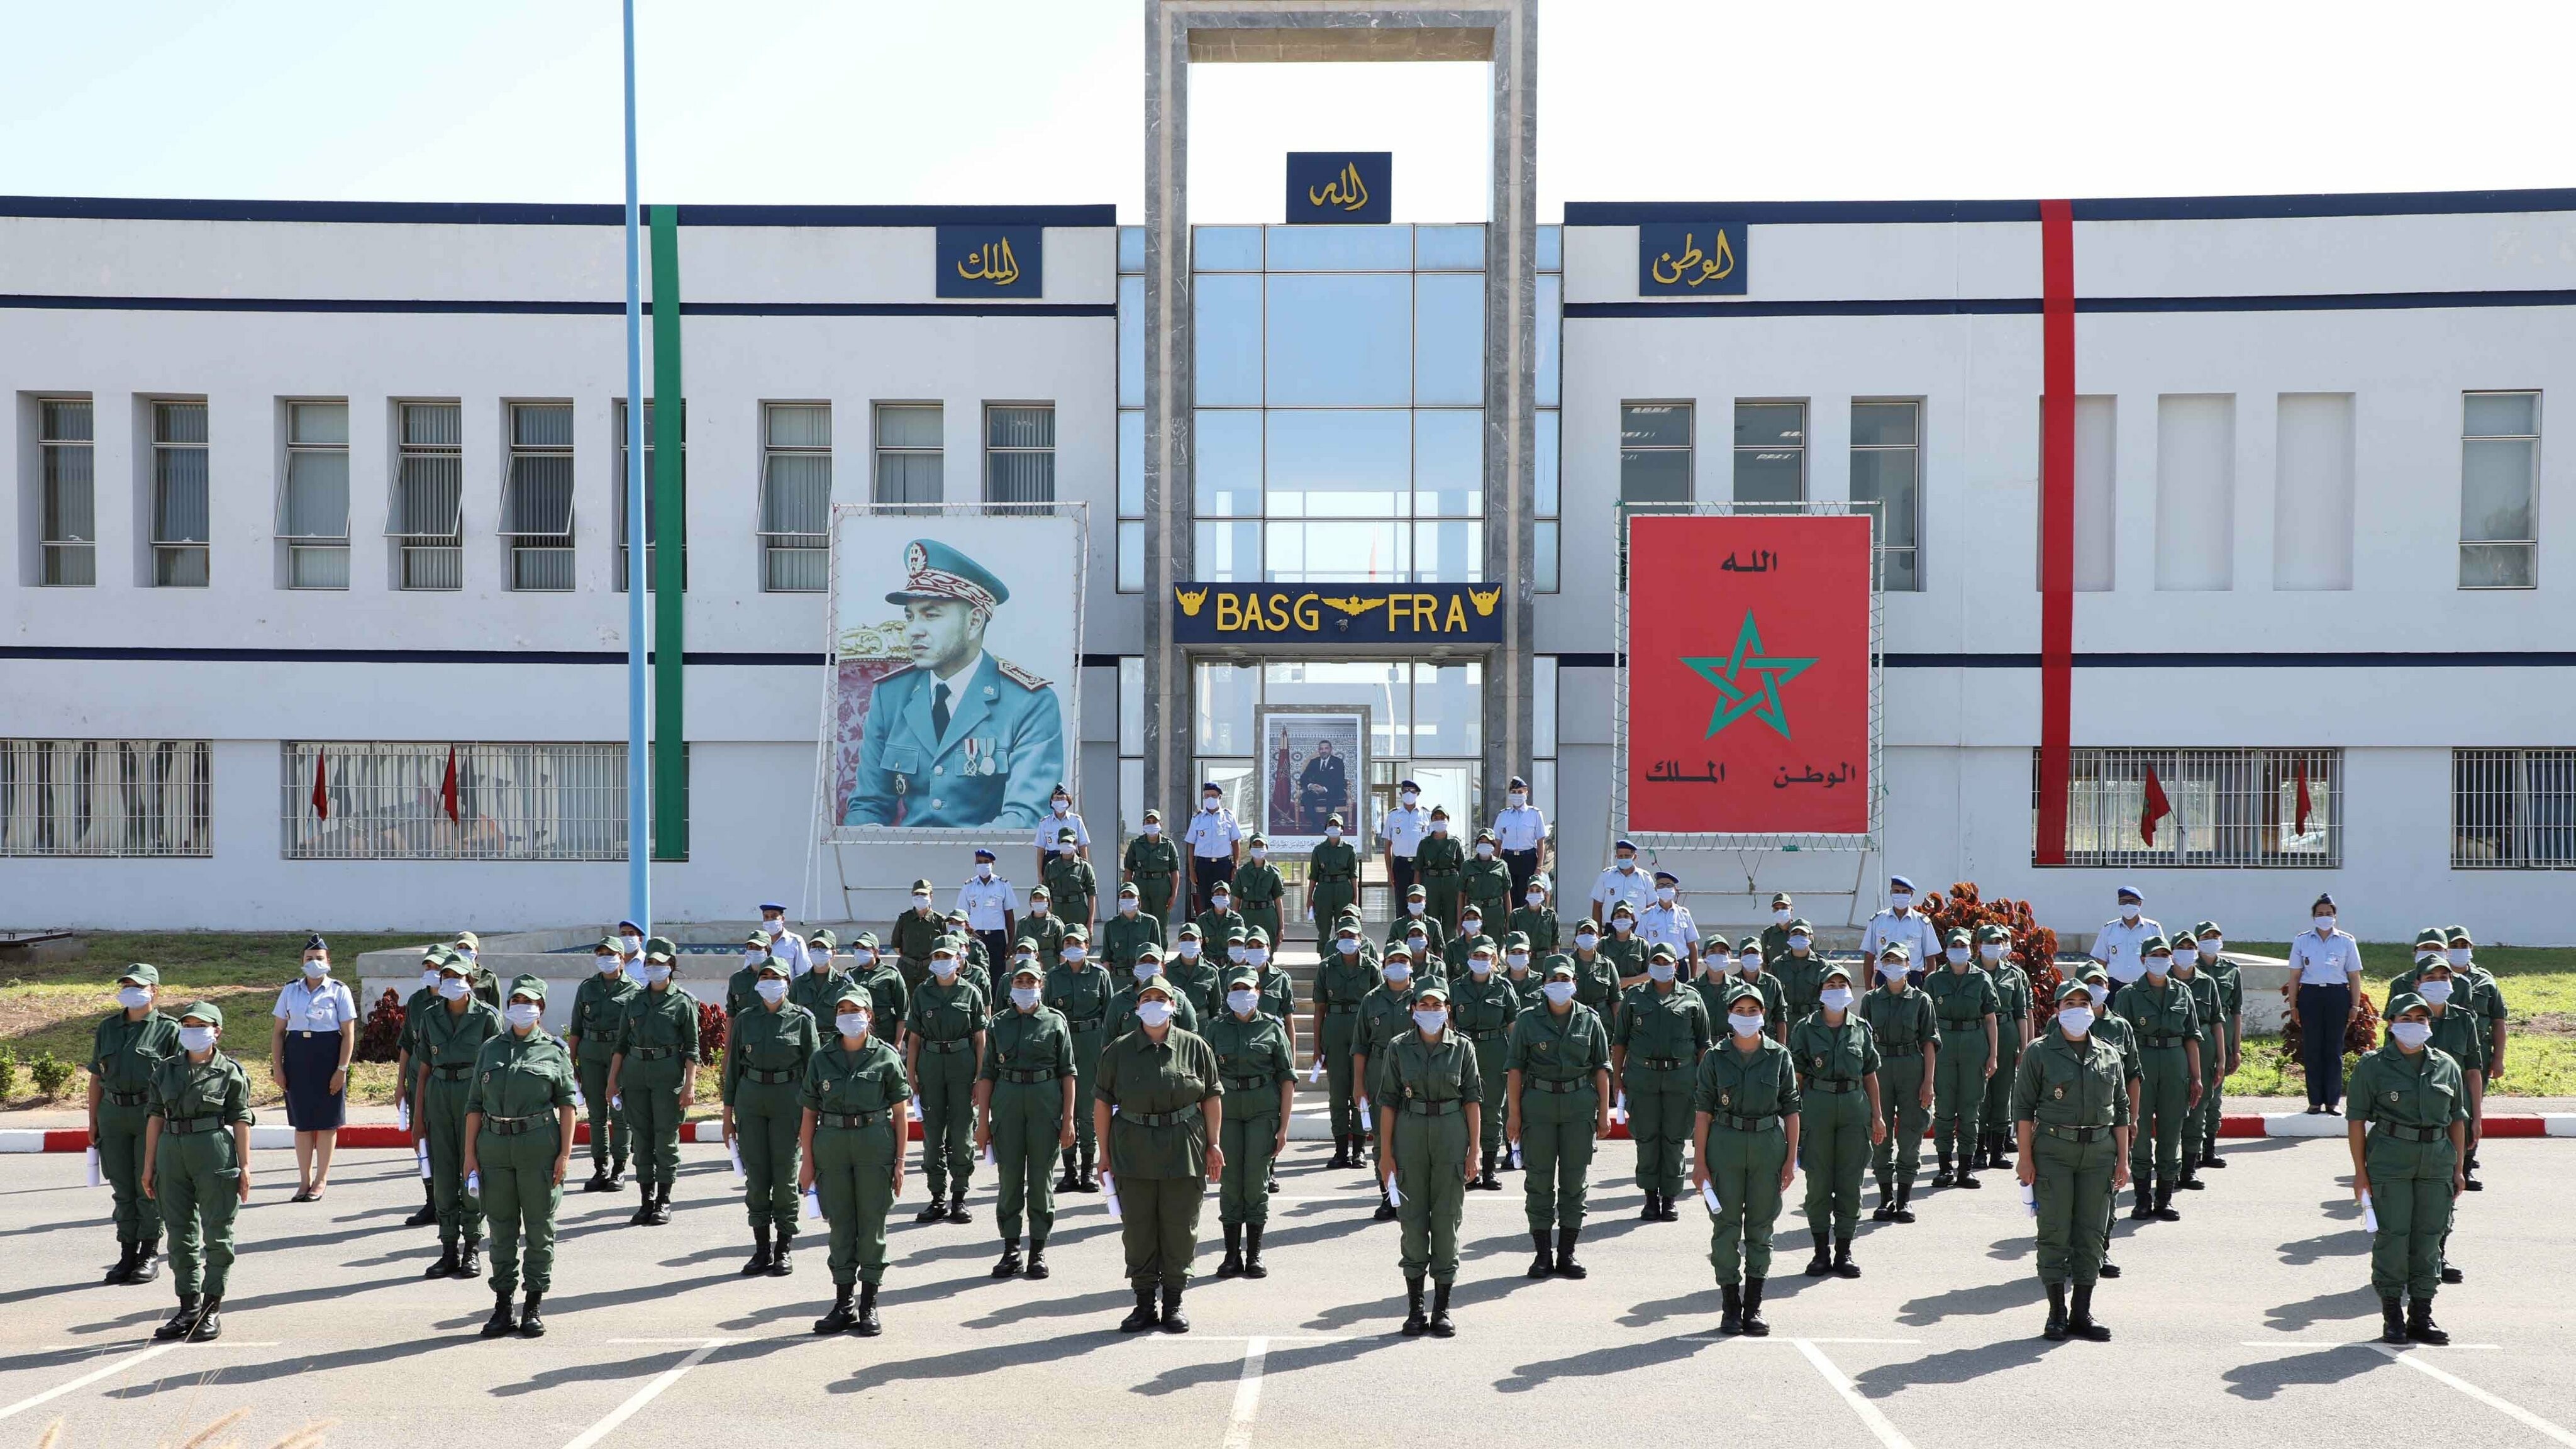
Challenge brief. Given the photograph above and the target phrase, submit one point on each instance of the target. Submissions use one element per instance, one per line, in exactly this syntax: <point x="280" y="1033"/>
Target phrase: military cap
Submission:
<point x="779" y="906"/>
<point x="1027" y="967"/>
<point x="1664" y="877"/>
<point x="769" y="965"/>
<point x="1149" y="953"/>
<point x="1255" y="840"/>
<point x="1834" y="969"/>
<point x="534" y="986"/>
<point x="2075" y="988"/>
<point x="1992" y="932"/>
<point x="1397" y="952"/>
<point x="1470" y="908"/>
<point x="2438" y="963"/>
<point x="1189" y="931"/>
<point x="314" y="942"/>
<point x="465" y="941"/>
<point x="956" y="918"/>
<point x="982" y="853"/>
<point x="1211" y="787"/>
<point x="757" y="938"/>
<point x="1334" y="819"/>
<point x="2094" y="973"/>
<point x="2155" y="946"/>
<point x="1408" y="785"/>
<point x="944" y="946"/>
<point x="1560" y="966"/>
<point x="1484" y="837"/>
<point x="2458" y="936"/>
<point x="1899" y="883"/>
<point x="1895" y="951"/>
<point x="1539" y="879"/>
<point x="1076" y="933"/>
<point x="1233" y="936"/>
<point x="1481" y="948"/>
<point x="433" y="954"/>
<point x="1588" y="924"/>
<point x="1257" y="933"/>
<point x="1242" y="980"/>
<point x="922" y="884"/>
<point x="2431" y="936"/>
<point x="2207" y="928"/>
<point x="611" y="945"/>
<point x="453" y="964"/>
<point x="1154" y="815"/>
<point x="205" y="1011"/>
<point x="933" y="571"/>
<point x="1433" y="991"/>
<point x="1745" y="992"/>
<point x="1956" y="936"/>
<point x="1622" y="908"/>
<point x="1800" y="924"/>
<point x="1154" y="982"/>
<point x="1516" y="938"/>
<point x="1129" y="889"/>
<point x="1415" y="892"/>
<point x="2132" y="893"/>
<point x="623" y="926"/>
<point x="2324" y="898"/>
<point x="659" y="947"/>
<point x="864" y="941"/>
<point x="1346" y="926"/>
<point x="1750" y="943"/>
<point x="823" y="939"/>
<point x="853" y="995"/>
<point x="1518" y="783"/>
<point x="1659" y="952"/>
<point x="2404" y="1002"/>
<point x="141" y="974"/>
<point x="1439" y="812"/>
<point x="1780" y="898"/>
<point x="1040" y="893"/>
<point x="1065" y="834"/>
<point x="1059" y="790"/>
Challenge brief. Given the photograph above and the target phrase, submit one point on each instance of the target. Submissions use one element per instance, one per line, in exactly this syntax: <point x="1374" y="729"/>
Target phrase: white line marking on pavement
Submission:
<point x="2356" y="1343"/>
<point x="2527" y="1418"/>
<point x="1247" y="1394"/>
<point x="1786" y="1342"/>
<point x="93" y="1376"/>
<point x="648" y="1393"/>
<point x="1851" y="1395"/>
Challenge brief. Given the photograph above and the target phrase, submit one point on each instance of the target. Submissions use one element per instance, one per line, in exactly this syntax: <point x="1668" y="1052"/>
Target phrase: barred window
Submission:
<point x="2513" y="809"/>
<point x="179" y="531"/>
<point x="67" y="505"/>
<point x="405" y="800"/>
<point x="536" y="499"/>
<point x="106" y="797"/>
<point x="313" y="507"/>
<point x="1019" y="455"/>
<point x="796" y="497"/>
<point x="428" y="520"/>
<point x="652" y="508"/>
<point x="2243" y="808"/>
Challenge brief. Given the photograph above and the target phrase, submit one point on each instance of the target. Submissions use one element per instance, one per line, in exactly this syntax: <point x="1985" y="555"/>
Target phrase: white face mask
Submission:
<point x="1519" y="798"/>
<point x="2458" y="956"/>
<point x="656" y="975"/>
<point x="1627" y="865"/>
<point x="1332" y="832"/>
<point x="429" y="981"/>
<point x="2435" y="992"/>
<point x="134" y="998"/>
<point x="1660" y="971"/>
<point x="197" y="1038"/>
<point x="1901" y="900"/>
<point x="1800" y="943"/>
<point x="1255" y="956"/>
<point x="632" y="944"/>
<point x="1664" y="894"/>
<point x="1241" y="1003"/>
<point x="2160" y="966"/>
<point x="2127" y="969"/>
<point x="1586" y="940"/>
<point x="2129" y="911"/>
<point x="851" y="1023"/>
<point x="1439" y="827"/>
<point x="1189" y="950"/>
<point x="453" y="987"/>
<point x="983" y="872"/>
<point x="771" y="989"/>
<point x="820" y="962"/>
<point x="1126" y="905"/>
<point x="1411" y="797"/>
<point x="1559" y="992"/>
<point x="2077" y="1020"/>
<point x="1066" y="847"/>
<point x="1413" y="908"/>
<point x="466" y="956"/>
<point x="1038" y="907"/>
<point x="522" y="1014"/>
<point x="2411" y="1033"/>
<point x="1259" y="852"/>
<point x="1025" y="997"/>
<point x="1517" y="960"/>
<point x="921" y="903"/>
<point x="754" y="956"/>
<point x="1221" y="901"/>
<point x="608" y="965"/>
<point x="1891" y="970"/>
<point x="1430" y="1021"/>
<point x="1211" y="802"/>
<point x="1992" y="951"/>
<point x="1718" y="962"/>
<point x="773" y="927"/>
<point x="1535" y="899"/>
<point x="2210" y="948"/>
<point x="1153" y="829"/>
<point x="1956" y="955"/>
<point x="1154" y="1013"/>
<point x="2324" y="925"/>
<point x="1744" y="1026"/>
<point x="1484" y="852"/>
<point x="1397" y="973"/>
<point x="1835" y="998"/>
<point x="1062" y="806"/>
<point x="1623" y="924"/>
<point x="1780" y="915"/>
<point x="1144" y="971"/>
<point x="316" y="970"/>
<point x="1075" y="953"/>
<point x="942" y="967"/>
<point x="1470" y="925"/>
<point x="1480" y="967"/>
<point x="863" y="957"/>
<point x="1347" y="945"/>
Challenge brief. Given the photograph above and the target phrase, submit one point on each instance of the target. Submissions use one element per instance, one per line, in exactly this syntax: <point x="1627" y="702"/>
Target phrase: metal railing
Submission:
<point x="388" y="801"/>
<point x="2228" y="808"/>
<point x="2513" y="809"/>
<point x="106" y="798"/>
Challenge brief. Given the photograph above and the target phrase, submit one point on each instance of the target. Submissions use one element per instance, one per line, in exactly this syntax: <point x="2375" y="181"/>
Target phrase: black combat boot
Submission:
<point x="1415" y="1325"/>
<point x="1844" y="1267"/>
<point x="2108" y="1269"/>
<point x="1341" y="1153"/>
<point x="2210" y="1158"/>
<point x="2469" y="1175"/>
<point x="2420" y="1327"/>
<point x="1544" y="1265"/>
<point x="1755" y="1326"/>
<point x="1730" y="1319"/>
<point x="1009" y="1265"/>
<point x="598" y="1177"/>
<point x="124" y="1264"/>
<point x="532" y="1324"/>
<point x="1901" y="1213"/>
<point x="1823" y="1262"/>
<point x="957" y="1207"/>
<point x="2079" y="1319"/>
<point x="779" y="1266"/>
<point x="1088" y="1181"/>
<point x="1441" y="1327"/>
<point x="1067" y="1181"/>
<point x="1144" y="1315"/>
<point x="1485" y="1178"/>
<point x="2392" y="1318"/>
<point x="1942" y="1177"/>
<point x="867" y="1325"/>
<point x="1174" y="1320"/>
<point x="445" y="1267"/>
<point x="1566" y="1267"/>
<point x="840" y="1319"/>
<point x="616" y="1174"/>
<point x="1037" y="1258"/>
<point x="1886" y="1209"/>
<point x="661" y="1217"/>
<point x="428" y="1214"/>
<point x="2166" y="1212"/>
<point x="1968" y="1172"/>
<point x="147" y="1263"/>
<point x="190" y="1305"/>
<point x="1252" y="1264"/>
<point x="2451" y="1274"/>
<point x="643" y="1202"/>
<point x="1650" y="1212"/>
<point x="502" y="1320"/>
<point x="2055" y="1332"/>
<point x="2142" y="1199"/>
<point x="935" y="1212"/>
<point x="760" y="1252"/>
<point x="210" y="1324"/>
<point x="1385" y="1206"/>
<point x="1665" y="1212"/>
<point x="1233" y="1265"/>
<point x="469" y="1260"/>
<point x="2004" y="1146"/>
<point x="2190" y="1179"/>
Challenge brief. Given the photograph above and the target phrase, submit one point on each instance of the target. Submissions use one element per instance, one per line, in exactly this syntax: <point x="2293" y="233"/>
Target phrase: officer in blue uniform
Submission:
<point x="962" y="738"/>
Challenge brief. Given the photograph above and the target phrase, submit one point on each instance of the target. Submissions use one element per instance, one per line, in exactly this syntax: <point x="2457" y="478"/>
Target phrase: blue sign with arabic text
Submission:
<point x="1703" y="258"/>
<point x="1341" y="187"/>
<point x="991" y="261"/>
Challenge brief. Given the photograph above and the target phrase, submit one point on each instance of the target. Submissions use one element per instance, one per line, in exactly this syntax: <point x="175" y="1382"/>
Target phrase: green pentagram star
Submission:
<point x="1762" y="701"/>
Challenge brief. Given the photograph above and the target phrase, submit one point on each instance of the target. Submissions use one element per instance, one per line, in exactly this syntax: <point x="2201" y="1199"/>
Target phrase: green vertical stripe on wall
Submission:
<point x="670" y="550"/>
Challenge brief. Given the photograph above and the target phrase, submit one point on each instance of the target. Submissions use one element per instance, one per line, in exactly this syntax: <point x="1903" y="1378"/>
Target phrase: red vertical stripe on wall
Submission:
<point x="2056" y="522"/>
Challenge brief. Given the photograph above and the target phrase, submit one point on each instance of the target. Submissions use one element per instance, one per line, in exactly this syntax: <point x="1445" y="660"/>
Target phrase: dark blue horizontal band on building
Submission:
<point x="2030" y="306"/>
<point x="509" y="308"/>
<point x="791" y="659"/>
<point x="480" y="213"/>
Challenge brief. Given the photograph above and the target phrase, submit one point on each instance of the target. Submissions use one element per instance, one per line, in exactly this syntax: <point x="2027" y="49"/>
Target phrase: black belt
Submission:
<point x="1564" y="1088"/>
<point x="848" y="1121"/>
<point x="1332" y="880"/>
<point x="1472" y="1034"/>
<point x="768" y="1078"/>
<point x="1658" y="1064"/>
<point x="1745" y="1124"/>
<point x="1335" y="1008"/>
<point x="1157" y="1119"/>
<point x="452" y="1071"/>
<point x="2074" y="1134"/>
<point x="1902" y="1049"/>
<point x="301" y="1031"/>
<point x="1087" y="1023"/>
<point x="1435" y="1109"/>
<point x="191" y="1124"/>
<point x="1014" y="1074"/>
<point x="1248" y="1084"/>
<point x="653" y="1054"/>
<point x="1971" y="1024"/>
<point x="513" y="1126"/>
<point x="1831" y="1087"/>
<point x="959" y="1045"/>
<point x="126" y="1099"/>
<point x="2163" y="1041"/>
<point x="2410" y="1134"/>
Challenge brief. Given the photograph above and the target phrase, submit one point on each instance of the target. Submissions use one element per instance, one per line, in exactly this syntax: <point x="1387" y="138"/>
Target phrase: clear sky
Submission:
<point x="1040" y="101"/>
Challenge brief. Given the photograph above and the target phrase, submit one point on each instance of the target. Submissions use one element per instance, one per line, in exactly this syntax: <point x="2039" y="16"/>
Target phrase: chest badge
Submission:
<point x="2057" y="1093"/>
<point x="1820" y="1061"/>
<point x="1725" y="1099"/>
<point x="2392" y="1095"/>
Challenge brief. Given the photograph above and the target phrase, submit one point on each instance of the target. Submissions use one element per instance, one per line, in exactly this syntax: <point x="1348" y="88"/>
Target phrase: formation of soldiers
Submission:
<point x="1480" y="1035"/>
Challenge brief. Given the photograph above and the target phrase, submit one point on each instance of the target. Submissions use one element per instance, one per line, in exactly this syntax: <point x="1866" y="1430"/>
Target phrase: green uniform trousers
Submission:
<point x="2203" y="1139"/>
<point x="1833" y="1145"/>
<point x="1744" y="1167"/>
<point x="1959" y="1091"/>
<point x="120" y="1160"/>
<point x="2410" y="1189"/>
<point x="1158" y="1219"/>
<point x="1900" y="1083"/>
<point x="520" y="1199"/>
<point x="1659" y="1122"/>
<point x="1995" y="1116"/>
<point x="1556" y="1153"/>
<point x="1243" y="1191"/>
<point x="1028" y="1122"/>
<point x="1430" y="1167"/>
<point x="2156" y="1137"/>
<point x="2074" y="1192"/>
<point x="608" y="1124"/>
<point x="1340" y="1029"/>
<point x="946" y="1087"/>
<point x="653" y="1124"/>
<point x="854" y="1178"/>
<point x="442" y="1121"/>
<point x="196" y="1179"/>
<point x="1154" y="897"/>
<point x="1267" y="918"/>
<point x="1087" y="1046"/>
<point x="766" y="1120"/>
<point x="1493" y="1064"/>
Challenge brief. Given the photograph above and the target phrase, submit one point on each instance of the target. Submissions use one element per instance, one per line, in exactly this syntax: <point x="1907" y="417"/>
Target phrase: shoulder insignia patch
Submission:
<point x="1018" y="675"/>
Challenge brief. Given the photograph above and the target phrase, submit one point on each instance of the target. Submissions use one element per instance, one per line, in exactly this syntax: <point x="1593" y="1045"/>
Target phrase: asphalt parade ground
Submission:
<point x="2250" y="1321"/>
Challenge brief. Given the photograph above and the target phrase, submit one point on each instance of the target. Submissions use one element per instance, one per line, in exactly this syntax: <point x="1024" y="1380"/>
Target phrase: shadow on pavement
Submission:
<point x="1983" y="1298"/>
<point x="1616" y="1358"/>
<point x="1957" y="1366"/>
<point x="2353" y="1303"/>
<point x="2268" y="1378"/>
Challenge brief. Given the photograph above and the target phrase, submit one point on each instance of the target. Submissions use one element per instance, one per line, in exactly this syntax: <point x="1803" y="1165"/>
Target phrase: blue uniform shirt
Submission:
<point x="998" y="761"/>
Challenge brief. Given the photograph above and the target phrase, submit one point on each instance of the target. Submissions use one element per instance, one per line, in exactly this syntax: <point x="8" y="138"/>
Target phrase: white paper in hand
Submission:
<point x="1619" y="1108"/>
<point x="579" y="1101"/>
<point x="402" y="1116"/>
<point x="1109" y="1195"/>
<point x="988" y="1154"/>
<point x="1394" y="1194"/>
<point x="1315" y="1073"/>
<point x="421" y="1151"/>
<point x="1708" y="1195"/>
<point x="2030" y="1200"/>
<point x="96" y="1178"/>
<point x="2369" y="1215"/>
<point x="617" y="1101"/>
<point x="474" y="1184"/>
<point x="813" y="1204"/>
<point x="1366" y="1123"/>
<point x="733" y="1152"/>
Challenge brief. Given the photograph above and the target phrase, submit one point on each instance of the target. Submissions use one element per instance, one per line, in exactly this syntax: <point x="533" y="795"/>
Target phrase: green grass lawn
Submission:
<point x="2539" y="984"/>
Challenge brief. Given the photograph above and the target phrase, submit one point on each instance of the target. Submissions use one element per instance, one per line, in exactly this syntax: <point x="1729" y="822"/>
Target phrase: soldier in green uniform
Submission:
<point x="914" y="933"/>
<point x="1158" y="1100"/>
<point x="598" y="1011"/>
<point x="1332" y="879"/>
<point x="1839" y="1120"/>
<point x="1527" y="985"/>
<point x="1080" y="990"/>
<point x="818" y="986"/>
<point x="2113" y="1031"/>
<point x="851" y="1147"/>
<point x="1258" y="1067"/>
<point x="1900" y="1019"/>
<point x="1800" y="969"/>
<point x="1485" y="880"/>
<point x="1596" y="975"/>
<point x="742" y="988"/>
<point x="2071" y="1116"/>
<point x="1198" y="975"/>
<point x="518" y="1134"/>
<point x="128" y="1044"/>
<point x="1534" y="919"/>
<point x="1655" y="1047"/>
<point x="654" y="1070"/>
<point x="2475" y="988"/>
<point x="2208" y="999"/>
<point x="1070" y="878"/>
<point x="1966" y="1004"/>
<point x="1258" y="889"/>
<point x="2167" y="1020"/>
<point x="1429" y="1098"/>
<point x="196" y="1167"/>
<point x="1439" y="862"/>
<point x="887" y="995"/>
<point x="766" y="1049"/>
<point x="1775" y="937"/>
<point x="1123" y="936"/>
<point x="975" y="965"/>
<point x="1024" y="1108"/>
<point x="1744" y="1145"/>
<point x="1625" y="948"/>
<point x="487" y="987"/>
<point x="1041" y="929"/>
<point x="1481" y="1008"/>
<point x="2460" y="1034"/>
<point x="1416" y="919"/>
<point x="2221" y="1056"/>
<point x="1272" y="983"/>
<point x="1385" y="1013"/>
<point x="1172" y="971"/>
<point x="1557" y="1105"/>
<point x="1343" y="981"/>
<point x="943" y="1041"/>
<point x="416" y="1009"/>
<point x="1152" y="864"/>
<point x="1471" y="937"/>
<point x="449" y="1039"/>
<point x="2409" y="1132"/>
<point x="2012" y="1031"/>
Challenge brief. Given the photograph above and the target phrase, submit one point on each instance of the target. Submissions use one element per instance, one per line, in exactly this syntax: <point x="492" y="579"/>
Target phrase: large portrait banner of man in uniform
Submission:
<point x="956" y="640"/>
<point x="1312" y="768"/>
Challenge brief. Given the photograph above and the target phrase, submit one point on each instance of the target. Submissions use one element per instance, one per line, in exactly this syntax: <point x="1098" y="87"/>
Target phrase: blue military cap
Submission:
<point x="1211" y="788"/>
<point x="1623" y="844"/>
<point x="1662" y="876"/>
<point x="2132" y="893"/>
<point x="982" y="854"/>
<point x="631" y="926"/>
<point x="1898" y="882"/>
<point x="1408" y="785"/>
<point x="933" y="570"/>
<point x="315" y="942"/>
<point x="773" y="906"/>
<point x="1518" y="783"/>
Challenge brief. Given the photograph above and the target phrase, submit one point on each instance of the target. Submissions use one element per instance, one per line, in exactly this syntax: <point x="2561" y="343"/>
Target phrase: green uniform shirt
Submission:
<point x="1833" y="1054"/>
<point x="452" y="1038"/>
<point x="667" y="1018"/>
<point x="1898" y="1022"/>
<point x="742" y="990"/>
<point x="847" y="1083"/>
<point x="1538" y="923"/>
<point x="1384" y="1012"/>
<point x="598" y="1007"/>
<point x="1020" y="1042"/>
<point x="1596" y="980"/>
<point x="2162" y="1016"/>
<point x="521" y="1076"/>
<point x="1627" y="953"/>
<point x="1664" y="1025"/>
<point x="819" y="992"/>
<point x="1715" y="987"/>
<point x="1331" y="862"/>
<point x="1152" y="859"/>
<point x="186" y="1091"/>
<point x="1438" y="856"/>
<point x="1963" y="999"/>
<point x="1155" y="1088"/>
<point x="416" y="1009"/>
<point x="124" y="1053"/>
<point x="1123" y="938"/>
<point x="763" y="1040"/>
<point x="888" y="997"/>
<point x="2012" y="991"/>
<point x="1487" y="883"/>
<point x="2422" y="1090"/>
<point x="1251" y="1060"/>
<point x="1278" y="993"/>
<point x="952" y="1012"/>
<point x="1802" y="978"/>
<point x="1343" y="982"/>
<point x="2472" y="986"/>
<point x="1775" y="944"/>
<point x="2062" y="1083"/>
<point x="1552" y="1048"/>
<point x="1452" y="964"/>
<point x="1045" y="932"/>
<point x="1483" y="1010"/>
<point x="1257" y="886"/>
<point x="1412" y="1070"/>
<point x="1080" y="993"/>
<point x="1400" y="930"/>
<point x="2460" y="1034"/>
<point x="1213" y="926"/>
<point x="2116" y="1032"/>
<point x="1071" y="887"/>
<point x="915" y="933"/>
<point x="1740" y="1088"/>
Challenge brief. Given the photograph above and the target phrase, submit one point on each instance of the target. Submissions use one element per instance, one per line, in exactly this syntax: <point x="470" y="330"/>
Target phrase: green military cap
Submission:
<point x="609" y="944"/>
<point x="1412" y="891"/>
<point x="1258" y="933"/>
<point x="1349" y="912"/>
<point x="2438" y="963"/>
<point x="1065" y="834"/>
<point x="1334" y="819"/>
<point x="1956" y="936"/>
<point x="757" y="938"/>
<point x="922" y="884"/>
<point x="1992" y="932"/>
<point x="1588" y="924"/>
<point x="1749" y="943"/>
<point x="1242" y="979"/>
<point x="949" y="944"/>
<point x="2430" y="939"/>
<point x="534" y="986"/>
<point x="2458" y="936"/>
<point x="1560" y="966"/>
<point x="1154" y="815"/>
<point x="1660" y="952"/>
<point x="1233" y="935"/>
<point x="1398" y="952"/>
<point x="1255" y="840"/>
<point x="1127" y="890"/>
<point x="452" y="964"/>
<point x="2094" y="974"/>
<point x="2206" y="928"/>
<point x="1779" y="899"/>
<point x="1154" y="982"/>
<point x="2075" y="988"/>
<point x="1439" y="812"/>
<point x="1832" y="970"/>
<point x="1481" y="948"/>
<point x="1482" y="836"/>
<point x="853" y="995"/>
<point x="1516" y="938"/>
<point x="770" y="966"/>
<point x="1800" y="924"/>
<point x="1076" y="933"/>
<point x="468" y="941"/>
<point x="1189" y="931"/>
<point x="205" y="1011"/>
<point x="957" y="919"/>
<point x="1040" y="893"/>
<point x="1433" y="991"/>
<point x="1745" y="993"/>
<point x="141" y="974"/>
<point x="1149" y="954"/>
<point x="659" y="947"/>
<point x="2153" y="946"/>
<point x="1895" y="951"/>
<point x="933" y="571"/>
<point x="864" y="941"/>
<point x="2404" y="1002"/>
<point x="1028" y="968"/>
<point x="823" y="939"/>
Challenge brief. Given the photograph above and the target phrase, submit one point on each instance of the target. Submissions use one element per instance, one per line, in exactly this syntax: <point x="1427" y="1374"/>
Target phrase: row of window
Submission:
<point x="425" y="511"/>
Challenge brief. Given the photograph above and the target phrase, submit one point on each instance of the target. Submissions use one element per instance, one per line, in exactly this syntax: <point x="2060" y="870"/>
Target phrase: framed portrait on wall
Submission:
<point x="1313" y="765"/>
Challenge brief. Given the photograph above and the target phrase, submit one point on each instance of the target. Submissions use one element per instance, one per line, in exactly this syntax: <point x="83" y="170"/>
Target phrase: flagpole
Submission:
<point x="639" y="889"/>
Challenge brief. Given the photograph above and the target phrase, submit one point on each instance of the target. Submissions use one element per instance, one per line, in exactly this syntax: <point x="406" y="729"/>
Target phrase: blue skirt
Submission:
<point x="311" y="1105"/>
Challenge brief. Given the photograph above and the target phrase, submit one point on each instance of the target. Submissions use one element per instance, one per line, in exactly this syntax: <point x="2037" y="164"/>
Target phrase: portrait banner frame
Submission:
<point x="1303" y="725"/>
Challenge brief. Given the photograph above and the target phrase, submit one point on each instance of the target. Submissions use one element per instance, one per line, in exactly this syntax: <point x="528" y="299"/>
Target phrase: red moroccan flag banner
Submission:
<point x="2157" y="807"/>
<point x="321" y="794"/>
<point x="447" y="788"/>
<point x="1749" y="675"/>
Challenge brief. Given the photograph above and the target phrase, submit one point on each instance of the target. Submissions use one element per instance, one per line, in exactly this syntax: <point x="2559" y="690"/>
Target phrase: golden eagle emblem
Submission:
<point x="1484" y="600"/>
<point x="1190" y="601"/>
<point x="1353" y="605"/>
